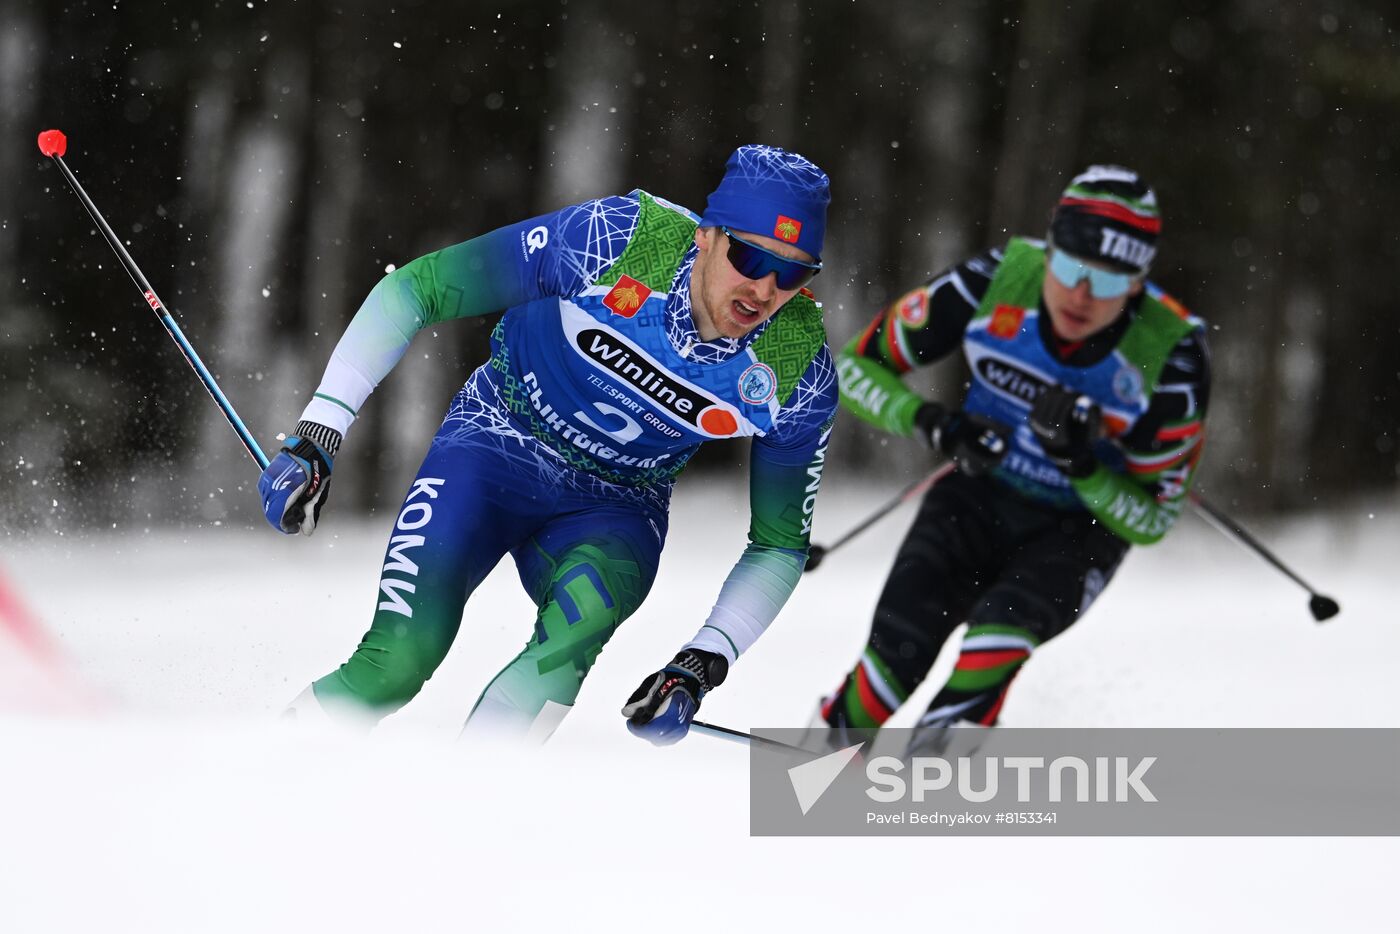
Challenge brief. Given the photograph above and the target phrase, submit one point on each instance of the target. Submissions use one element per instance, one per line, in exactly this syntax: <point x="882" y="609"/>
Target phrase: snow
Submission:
<point x="186" y="806"/>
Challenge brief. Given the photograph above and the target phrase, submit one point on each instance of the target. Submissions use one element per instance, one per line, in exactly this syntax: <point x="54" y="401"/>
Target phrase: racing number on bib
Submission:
<point x="629" y="431"/>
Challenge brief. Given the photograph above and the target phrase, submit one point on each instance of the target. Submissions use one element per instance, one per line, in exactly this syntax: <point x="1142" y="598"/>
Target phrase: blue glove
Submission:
<point x="661" y="708"/>
<point x="293" y="488"/>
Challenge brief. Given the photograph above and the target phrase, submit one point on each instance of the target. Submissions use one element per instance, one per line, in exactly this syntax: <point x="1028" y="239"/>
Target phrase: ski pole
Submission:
<point x="1322" y="607"/>
<point x="54" y="144"/>
<point x="745" y="739"/>
<point x="817" y="553"/>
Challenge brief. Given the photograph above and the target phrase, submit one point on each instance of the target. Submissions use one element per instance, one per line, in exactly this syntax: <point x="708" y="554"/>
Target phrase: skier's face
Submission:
<point x="1075" y="313"/>
<point x="723" y="302"/>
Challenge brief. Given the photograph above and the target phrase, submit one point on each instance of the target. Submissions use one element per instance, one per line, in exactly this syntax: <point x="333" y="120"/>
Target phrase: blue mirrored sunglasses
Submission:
<point x="754" y="262"/>
<point x="1102" y="282"/>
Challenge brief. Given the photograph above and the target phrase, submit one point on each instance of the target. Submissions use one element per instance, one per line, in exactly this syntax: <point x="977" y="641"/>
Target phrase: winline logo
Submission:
<point x="673" y="395"/>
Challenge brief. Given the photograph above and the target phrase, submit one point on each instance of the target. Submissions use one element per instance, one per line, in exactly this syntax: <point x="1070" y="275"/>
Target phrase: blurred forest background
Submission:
<point x="267" y="160"/>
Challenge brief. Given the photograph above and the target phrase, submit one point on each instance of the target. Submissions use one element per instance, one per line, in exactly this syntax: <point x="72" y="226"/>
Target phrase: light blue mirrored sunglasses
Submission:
<point x="1102" y="282"/>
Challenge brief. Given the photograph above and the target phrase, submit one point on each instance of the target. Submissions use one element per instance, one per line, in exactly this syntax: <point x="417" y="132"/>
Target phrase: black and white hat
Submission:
<point x="1108" y="214"/>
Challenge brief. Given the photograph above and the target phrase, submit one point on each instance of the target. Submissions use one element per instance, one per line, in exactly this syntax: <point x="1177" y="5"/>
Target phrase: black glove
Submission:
<point x="977" y="444"/>
<point x="1067" y="424"/>
<point x="660" y="710"/>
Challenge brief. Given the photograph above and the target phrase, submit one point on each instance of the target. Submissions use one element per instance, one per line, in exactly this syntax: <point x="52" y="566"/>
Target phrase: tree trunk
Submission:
<point x="1043" y="122"/>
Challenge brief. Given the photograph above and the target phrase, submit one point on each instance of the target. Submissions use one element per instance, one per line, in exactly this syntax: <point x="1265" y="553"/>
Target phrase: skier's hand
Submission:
<point x="661" y="708"/>
<point x="1066" y="423"/>
<point x="293" y="488"/>
<point x="977" y="444"/>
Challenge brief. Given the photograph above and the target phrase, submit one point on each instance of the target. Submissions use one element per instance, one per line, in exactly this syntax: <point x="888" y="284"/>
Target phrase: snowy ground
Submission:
<point x="186" y="807"/>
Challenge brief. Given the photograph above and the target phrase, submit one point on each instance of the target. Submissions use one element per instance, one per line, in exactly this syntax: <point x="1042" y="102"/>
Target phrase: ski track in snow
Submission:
<point x="186" y="806"/>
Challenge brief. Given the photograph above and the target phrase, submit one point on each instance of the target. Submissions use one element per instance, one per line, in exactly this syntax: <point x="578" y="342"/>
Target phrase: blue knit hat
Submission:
<point x="773" y="193"/>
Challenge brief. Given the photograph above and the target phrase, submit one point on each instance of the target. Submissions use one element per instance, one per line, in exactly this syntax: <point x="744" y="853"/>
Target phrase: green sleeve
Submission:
<point x="1128" y="509"/>
<point x="1160" y="454"/>
<point x="479" y="276"/>
<point x="784" y="478"/>
<point x="476" y="277"/>
<point x="874" y="393"/>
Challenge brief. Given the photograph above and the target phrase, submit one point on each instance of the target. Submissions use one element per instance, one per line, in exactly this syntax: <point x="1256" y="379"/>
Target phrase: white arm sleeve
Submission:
<point x="371" y="346"/>
<point x="749" y="601"/>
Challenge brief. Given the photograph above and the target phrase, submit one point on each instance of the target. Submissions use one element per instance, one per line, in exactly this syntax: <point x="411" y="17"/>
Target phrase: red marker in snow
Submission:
<point x="53" y="143"/>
